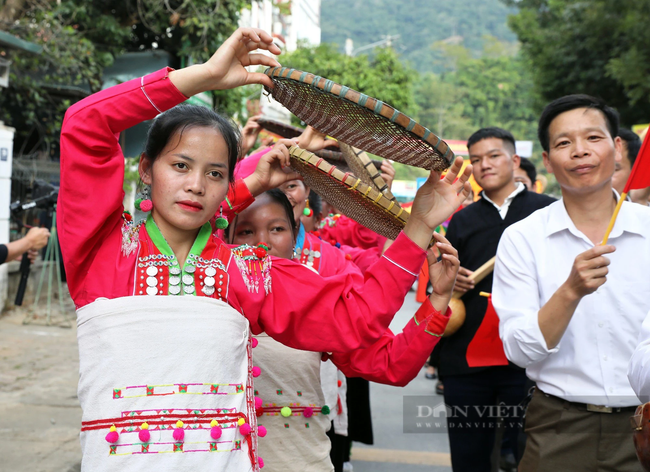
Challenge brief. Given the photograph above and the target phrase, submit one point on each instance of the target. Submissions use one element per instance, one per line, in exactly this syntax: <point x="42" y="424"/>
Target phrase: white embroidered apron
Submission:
<point x="297" y="439"/>
<point x="174" y="363"/>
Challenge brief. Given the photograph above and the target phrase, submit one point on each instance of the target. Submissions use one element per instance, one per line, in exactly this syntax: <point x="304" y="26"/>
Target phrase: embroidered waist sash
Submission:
<point x="165" y="384"/>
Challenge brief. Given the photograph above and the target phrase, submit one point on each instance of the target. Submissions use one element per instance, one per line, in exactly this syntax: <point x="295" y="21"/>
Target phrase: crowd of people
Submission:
<point x="227" y="329"/>
<point x="569" y="308"/>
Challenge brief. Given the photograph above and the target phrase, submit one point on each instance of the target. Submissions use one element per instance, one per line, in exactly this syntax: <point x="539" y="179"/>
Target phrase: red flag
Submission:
<point x="486" y="349"/>
<point x="640" y="175"/>
<point x="639" y="178"/>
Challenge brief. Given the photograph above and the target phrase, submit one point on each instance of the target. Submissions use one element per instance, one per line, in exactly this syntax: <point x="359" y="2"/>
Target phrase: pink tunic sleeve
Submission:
<point x="334" y="261"/>
<point x="362" y="258"/>
<point x="396" y="359"/>
<point x="92" y="175"/>
<point x="340" y="313"/>
<point x="348" y="232"/>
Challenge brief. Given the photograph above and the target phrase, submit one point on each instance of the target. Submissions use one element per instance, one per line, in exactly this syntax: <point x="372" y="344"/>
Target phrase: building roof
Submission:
<point x="10" y="41"/>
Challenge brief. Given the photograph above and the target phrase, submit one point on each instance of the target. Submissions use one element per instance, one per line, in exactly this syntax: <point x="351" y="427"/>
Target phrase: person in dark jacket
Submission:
<point x="477" y="389"/>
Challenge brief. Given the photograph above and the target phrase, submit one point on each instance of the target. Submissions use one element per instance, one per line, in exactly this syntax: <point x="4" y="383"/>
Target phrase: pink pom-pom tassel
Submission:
<point x="215" y="432"/>
<point x="261" y="431"/>
<point x="258" y="402"/>
<point x="256" y="371"/>
<point x="112" y="437"/>
<point x="254" y="342"/>
<point x="308" y="413"/>
<point x="245" y="429"/>
<point x="260" y="461"/>
<point x="146" y="205"/>
<point x="179" y="434"/>
<point x="144" y="435"/>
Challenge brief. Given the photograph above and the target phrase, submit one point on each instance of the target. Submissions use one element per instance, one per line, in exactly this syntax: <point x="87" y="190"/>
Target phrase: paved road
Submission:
<point x="394" y="450"/>
<point x="39" y="411"/>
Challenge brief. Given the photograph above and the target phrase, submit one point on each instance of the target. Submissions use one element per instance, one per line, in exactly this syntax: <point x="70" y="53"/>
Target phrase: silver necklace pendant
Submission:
<point x="174" y="280"/>
<point x="189" y="289"/>
<point x="174" y="289"/>
<point x="210" y="271"/>
<point x="152" y="271"/>
<point x="152" y="281"/>
<point x="175" y="270"/>
<point x="188" y="279"/>
<point x="208" y="290"/>
<point x="152" y="291"/>
<point x="189" y="269"/>
<point x="209" y="281"/>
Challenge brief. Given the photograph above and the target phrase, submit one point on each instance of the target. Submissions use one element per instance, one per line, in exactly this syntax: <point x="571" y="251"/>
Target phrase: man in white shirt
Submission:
<point x="570" y="309"/>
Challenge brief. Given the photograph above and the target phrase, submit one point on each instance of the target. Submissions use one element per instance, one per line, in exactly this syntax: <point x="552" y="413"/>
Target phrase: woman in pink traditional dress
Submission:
<point x="292" y="408"/>
<point x="157" y="300"/>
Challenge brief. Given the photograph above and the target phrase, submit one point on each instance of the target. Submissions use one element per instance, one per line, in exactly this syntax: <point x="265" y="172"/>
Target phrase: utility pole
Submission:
<point x="387" y="41"/>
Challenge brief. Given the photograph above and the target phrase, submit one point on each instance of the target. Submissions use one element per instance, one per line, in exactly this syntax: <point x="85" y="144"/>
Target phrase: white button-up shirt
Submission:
<point x="534" y="259"/>
<point x="503" y="209"/>
<point x="639" y="368"/>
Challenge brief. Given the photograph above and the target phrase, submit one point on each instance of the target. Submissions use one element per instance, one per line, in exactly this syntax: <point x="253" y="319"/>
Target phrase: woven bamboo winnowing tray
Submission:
<point x="358" y="120"/>
<point x="364" y="167"/>
<point x="281" y="129"/>
<point x="289" y="132"/>
<point x="349" y="194"/>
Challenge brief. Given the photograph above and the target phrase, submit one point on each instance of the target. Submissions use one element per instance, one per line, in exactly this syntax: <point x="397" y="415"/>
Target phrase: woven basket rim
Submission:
<point x="357" y="156"/>
<point x="352" y="182"/>
<point x="296" y="129"/>
<point x="365" y="101"/>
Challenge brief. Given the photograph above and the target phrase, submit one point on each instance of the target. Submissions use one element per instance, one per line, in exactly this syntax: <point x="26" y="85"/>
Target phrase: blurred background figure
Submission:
<point x="526" y="174"/>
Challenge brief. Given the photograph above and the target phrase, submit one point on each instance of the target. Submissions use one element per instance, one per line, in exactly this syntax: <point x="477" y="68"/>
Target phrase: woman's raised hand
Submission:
<point x="313" y="140"/>
<point x="436" y="201"/>
<point x="443" y="272"/>
<point x="226" y="69"/>
<point x="273" y="169"/>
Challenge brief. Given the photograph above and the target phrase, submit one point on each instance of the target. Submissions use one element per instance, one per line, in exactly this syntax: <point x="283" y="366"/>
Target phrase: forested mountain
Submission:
<point x="420" y="24"/>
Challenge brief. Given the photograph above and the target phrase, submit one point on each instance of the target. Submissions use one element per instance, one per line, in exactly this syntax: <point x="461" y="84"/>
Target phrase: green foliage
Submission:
<point x="383" y="77"/>
<point x="598" y="47"/>
<point x="419" y="22"/>
<point x="82" y="37"/>
<point x="440" y="108"/>
<point x="493" y="90"/>
<point x="404" y="172"/>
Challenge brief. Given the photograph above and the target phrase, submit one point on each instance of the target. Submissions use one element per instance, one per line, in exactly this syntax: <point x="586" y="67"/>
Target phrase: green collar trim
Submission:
<point x="157" y="237"/>
<point x="162" y="245"/>
<point x="201" y="240"/>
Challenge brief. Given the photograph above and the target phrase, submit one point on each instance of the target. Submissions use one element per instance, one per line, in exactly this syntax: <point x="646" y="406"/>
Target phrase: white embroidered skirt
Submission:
<point x="165" y="384"/>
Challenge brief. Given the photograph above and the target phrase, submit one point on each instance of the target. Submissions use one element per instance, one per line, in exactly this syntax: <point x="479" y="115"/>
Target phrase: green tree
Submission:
<point x="383" y="77"/>
<point x="419" y="23"/>
<point x="440" y="108"/>
<point x="82" y="37"/>
<point x="598" y="47"/>
<point x="493" y="90"/>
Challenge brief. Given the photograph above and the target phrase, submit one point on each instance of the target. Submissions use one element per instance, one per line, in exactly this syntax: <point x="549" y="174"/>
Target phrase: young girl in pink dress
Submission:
<point x="292" y="407"/>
